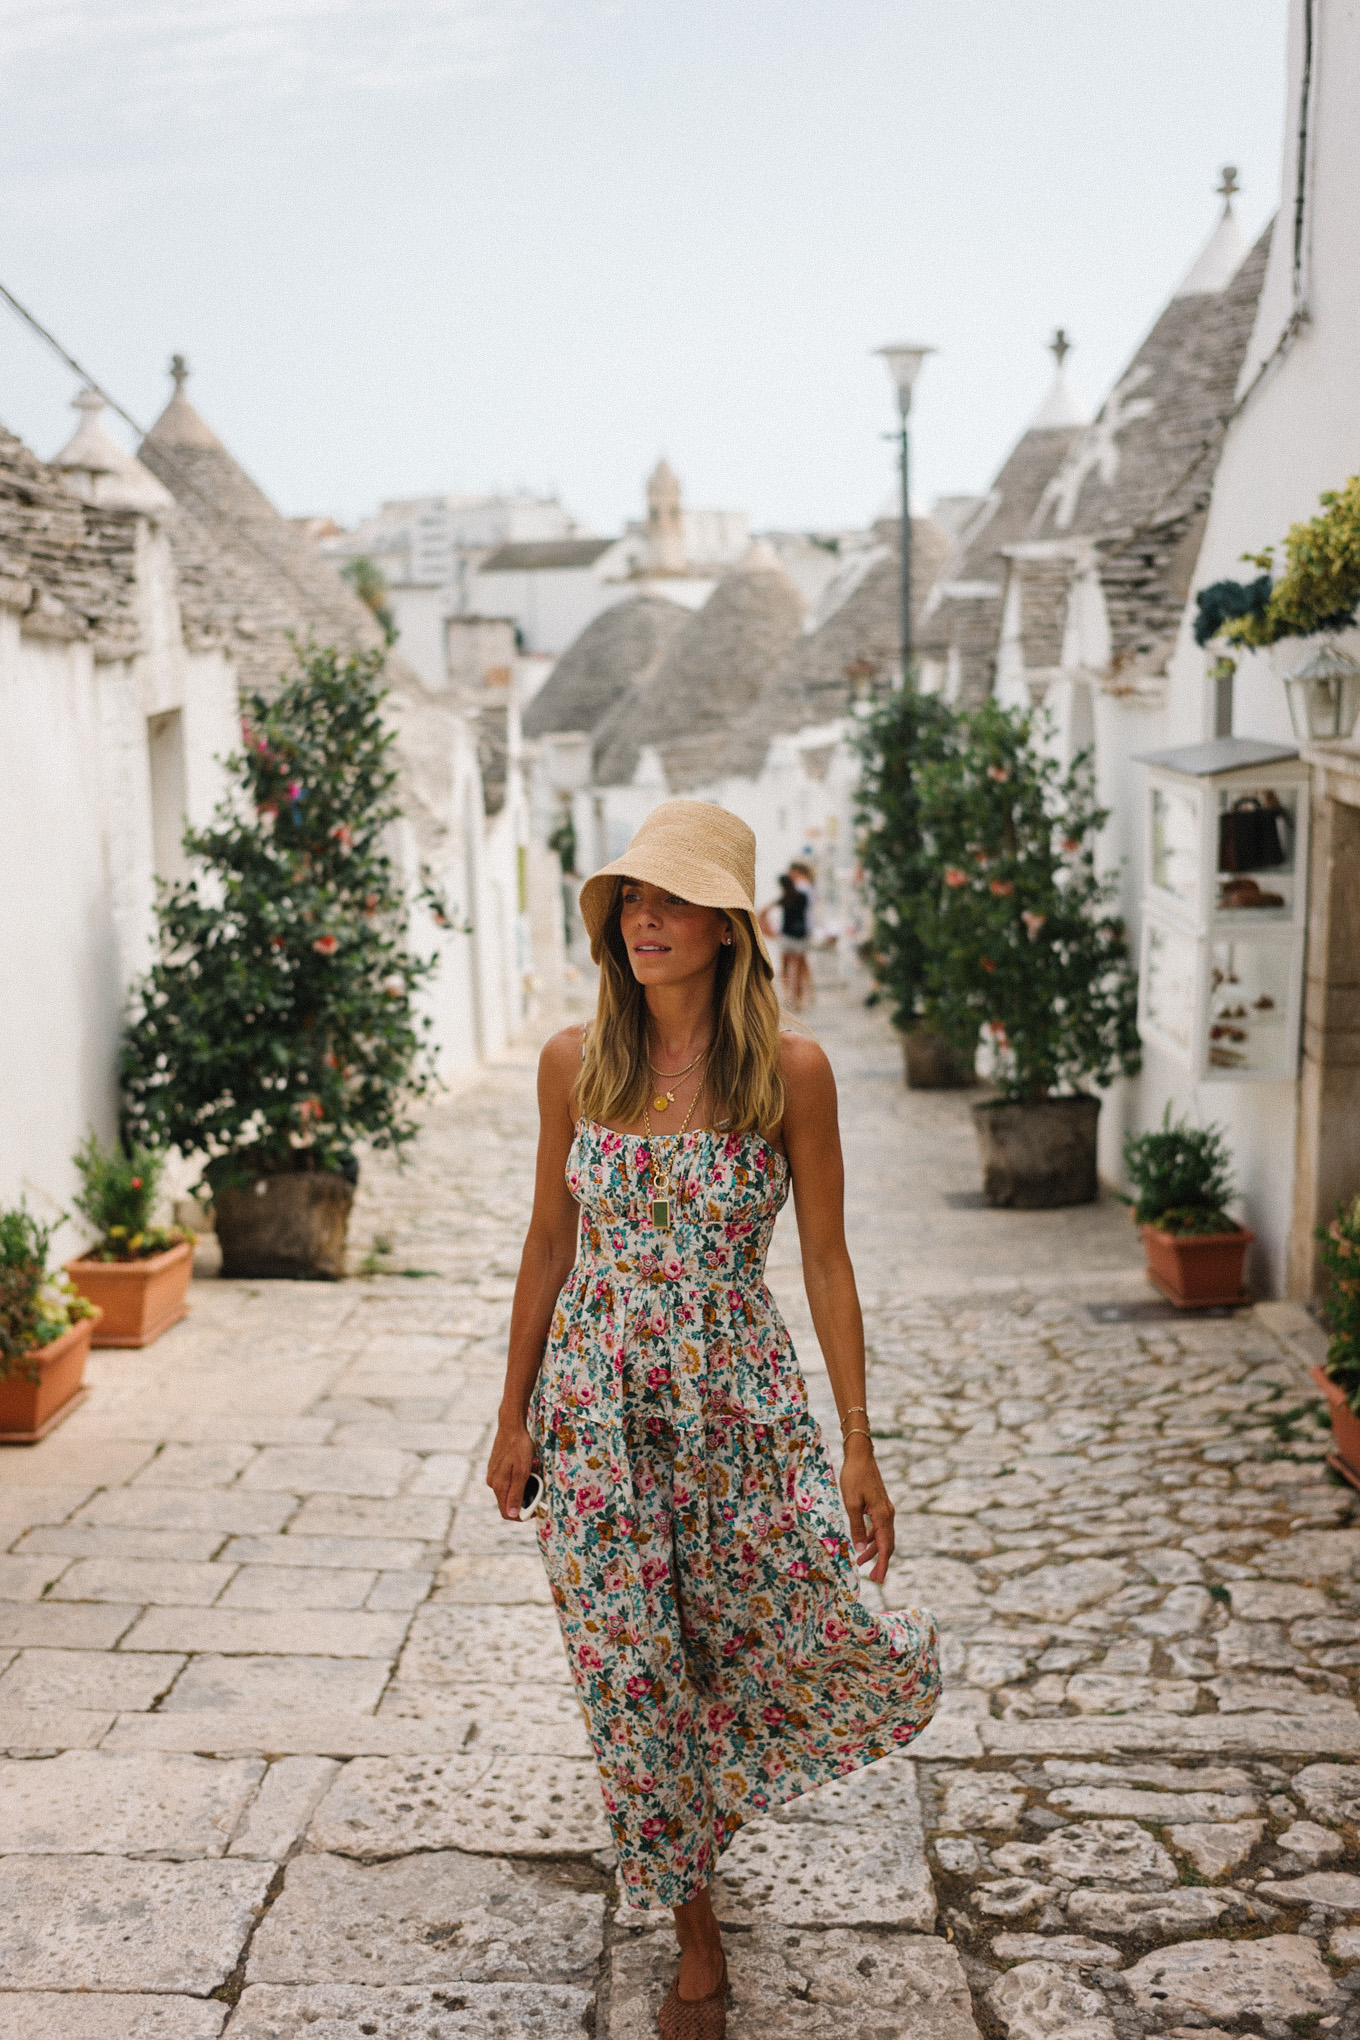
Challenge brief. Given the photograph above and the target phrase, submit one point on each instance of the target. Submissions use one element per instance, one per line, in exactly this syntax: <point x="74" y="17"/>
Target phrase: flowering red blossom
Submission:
<point x="1002" y="887"/>
<point x="343" y="835"/>
<point x="326" y="945"/>
<point x="998" y="772"/>
<point x="1071" y="843"/>
<point x="953" y="876"/>
<point x="1033" y="922"/>
<point x="136" y="1183"/>
<point x="986" y="963"/>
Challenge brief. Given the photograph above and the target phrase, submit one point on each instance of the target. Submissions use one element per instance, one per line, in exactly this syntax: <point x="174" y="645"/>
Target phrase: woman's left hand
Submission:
<point x="868" y="1507"/>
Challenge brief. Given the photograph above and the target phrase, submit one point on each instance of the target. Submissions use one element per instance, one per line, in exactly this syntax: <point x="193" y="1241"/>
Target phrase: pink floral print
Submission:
<point x="695" y="1539"/>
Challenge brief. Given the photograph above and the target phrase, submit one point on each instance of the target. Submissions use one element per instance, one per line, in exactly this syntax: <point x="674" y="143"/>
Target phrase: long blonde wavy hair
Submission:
<point x="743" y="1074"/>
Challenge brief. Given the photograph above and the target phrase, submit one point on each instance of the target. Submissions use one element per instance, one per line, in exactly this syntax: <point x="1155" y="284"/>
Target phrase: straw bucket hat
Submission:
<point x="696" y="850"/>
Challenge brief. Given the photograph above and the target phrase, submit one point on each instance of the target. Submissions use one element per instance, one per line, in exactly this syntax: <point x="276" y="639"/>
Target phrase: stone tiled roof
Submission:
<point x="248" y="578"/>
<point x="708" y="675"/>
<point x="67" y="567"/>
<point x="1135" y="484"/>
<point x="613" y="653"/>
<point x="962" y="613"/>
<point x="854" y="651"/>
<point x="525" y="555"/>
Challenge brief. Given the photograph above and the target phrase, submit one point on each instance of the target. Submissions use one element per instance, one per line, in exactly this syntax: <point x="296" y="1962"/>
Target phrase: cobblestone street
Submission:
<point x="293" y="1749"/>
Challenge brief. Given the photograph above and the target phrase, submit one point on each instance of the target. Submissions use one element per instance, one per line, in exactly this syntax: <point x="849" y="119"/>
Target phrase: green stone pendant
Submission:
<point x="661" y="1213"/>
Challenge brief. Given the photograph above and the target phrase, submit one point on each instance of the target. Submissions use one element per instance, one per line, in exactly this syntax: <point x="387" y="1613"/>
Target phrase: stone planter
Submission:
<point x="1037" y="1156"/>
<point x="1345" y="1457"/>
<point x="931" y="1064"/>
<point x="291" y="1227"/>
<point x="30" y="1409"/>
<point x="1194" y="1271"/>
<point x="139" y="1299"/>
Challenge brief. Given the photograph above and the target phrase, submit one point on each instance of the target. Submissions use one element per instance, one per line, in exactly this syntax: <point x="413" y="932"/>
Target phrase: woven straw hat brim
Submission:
<point x="696" y="850"/>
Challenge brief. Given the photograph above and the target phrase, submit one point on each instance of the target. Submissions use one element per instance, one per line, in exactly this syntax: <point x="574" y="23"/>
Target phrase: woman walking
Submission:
<point x="693" y="1536"/>
<point x="793" y="908"/>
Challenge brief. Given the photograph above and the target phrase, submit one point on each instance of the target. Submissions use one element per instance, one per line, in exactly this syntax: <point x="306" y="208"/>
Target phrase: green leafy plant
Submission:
<point x="369" y="583"/>
<point x="1320" y="587"/>
<point x="897" y="738"/>
<point x="1340" y="1256"/>
<point x="1181" y="1176"/>
<point x="117" y="1195"/>
<point x="1020" y="930"/>
<point x="35" y="1307"/>
<point x="278" y="1026"/>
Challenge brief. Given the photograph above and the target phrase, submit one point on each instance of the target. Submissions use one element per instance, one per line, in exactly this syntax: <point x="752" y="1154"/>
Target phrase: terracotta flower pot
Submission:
<point x="139" y="1299"/>
<point x="931" y="1064"/>
<point x="1345" y="1428"/>
<point x="1194" y="1271"/>
<point x="1038" y="1155"/>
<point x="291" y="1226"/>
<point x="29" y="1409"/>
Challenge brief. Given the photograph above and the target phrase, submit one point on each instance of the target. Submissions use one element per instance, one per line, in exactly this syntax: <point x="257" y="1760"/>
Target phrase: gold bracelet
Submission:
<point x="856" y="1410"/>
<point x="857" y="1431"/>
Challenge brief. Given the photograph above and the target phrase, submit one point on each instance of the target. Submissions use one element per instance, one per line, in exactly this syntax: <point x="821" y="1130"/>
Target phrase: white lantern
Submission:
<point x="1324" y="695"/>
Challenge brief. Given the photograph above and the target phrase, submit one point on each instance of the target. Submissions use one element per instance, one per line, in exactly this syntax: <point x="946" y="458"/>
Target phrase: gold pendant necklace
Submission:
<point x="665" y="1099"/>
<point x="661" y="1198"/>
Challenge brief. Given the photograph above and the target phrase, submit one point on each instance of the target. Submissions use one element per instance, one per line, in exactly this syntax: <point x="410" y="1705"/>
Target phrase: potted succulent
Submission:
<point x="137" y="1272"/>
<point x="896" y="739"/>
<point x="278" y="1025"/>
<point x="1339" y="1379"/>
<point x="1182" y="1184"/>
<point x="1022" y="943"/>
<point x="45" y="1327"/>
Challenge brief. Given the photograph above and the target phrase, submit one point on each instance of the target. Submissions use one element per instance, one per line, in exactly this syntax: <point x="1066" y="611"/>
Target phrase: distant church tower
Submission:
<point x="665" y="522"/>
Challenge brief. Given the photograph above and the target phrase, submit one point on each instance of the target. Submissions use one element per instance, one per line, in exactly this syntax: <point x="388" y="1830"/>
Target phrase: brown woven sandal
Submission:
<point x="694" y="2018"/>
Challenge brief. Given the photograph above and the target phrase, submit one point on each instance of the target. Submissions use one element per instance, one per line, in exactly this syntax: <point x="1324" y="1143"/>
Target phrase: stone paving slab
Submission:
<point x="72" y="2015"/>
<point x="50" y="1729"/>
<point x="51" y="1625"/>
<point x="266" y="1685"/>
<point x="248" y="1632"/>
<point x="169" y="1582"/>
<point x="499" y="1805"/>
<point x="244" y="1730"/>
<point x="97" y="1923"/>
<point x="86" y="1679"/>
<point x="455" y="2011"/>
<point x="427" y="1919"/>
<point x="803" y="1986"/>
<point x="293" y="1788"/>
<point x="93" y="1802"/>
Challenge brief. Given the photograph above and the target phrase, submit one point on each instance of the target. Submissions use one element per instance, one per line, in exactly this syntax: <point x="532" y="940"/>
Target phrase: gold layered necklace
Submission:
<point x="664" y="1099"/>
<point x="661" y="1175"/>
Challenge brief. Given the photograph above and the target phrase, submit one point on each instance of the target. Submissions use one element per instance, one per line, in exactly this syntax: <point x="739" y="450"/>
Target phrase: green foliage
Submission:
<point x="368" y="582"/>
<point x="117" y="1195"/>
<point x="35" y="1307"/>
<point x="1340" y="1256"/>
<point x="1020" y="930"/>
<point x="1320" y="586"/>
<point x="277" y="1026"/>
<point x="563" y="841"/>
<point x="902" y="734"/>
<point x="1181" y="1175"/>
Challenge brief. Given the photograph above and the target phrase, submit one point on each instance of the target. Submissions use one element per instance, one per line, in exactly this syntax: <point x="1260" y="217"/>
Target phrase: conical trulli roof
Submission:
<point x="708" y="675"/>
<point x="614" y="652"/>
<point x="248" y="578"/>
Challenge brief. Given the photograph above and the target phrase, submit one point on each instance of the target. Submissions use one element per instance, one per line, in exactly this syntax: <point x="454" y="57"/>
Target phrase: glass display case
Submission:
<point x="1225" y="907"/>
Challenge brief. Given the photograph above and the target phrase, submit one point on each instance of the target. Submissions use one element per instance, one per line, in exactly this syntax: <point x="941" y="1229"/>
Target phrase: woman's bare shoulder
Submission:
<point x="801" y="1059"/>
<point x="559" y="1062"/>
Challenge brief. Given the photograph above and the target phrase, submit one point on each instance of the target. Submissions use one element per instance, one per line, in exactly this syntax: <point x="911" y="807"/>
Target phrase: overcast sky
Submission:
<point x="429" y="245"/>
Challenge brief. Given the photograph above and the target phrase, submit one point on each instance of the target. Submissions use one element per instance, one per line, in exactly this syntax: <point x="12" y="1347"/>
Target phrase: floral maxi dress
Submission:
<point x="695" y="1539"/>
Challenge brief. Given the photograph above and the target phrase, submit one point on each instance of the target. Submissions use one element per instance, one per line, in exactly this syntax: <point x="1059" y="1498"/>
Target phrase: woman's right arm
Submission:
<point x="549" y="1252"/>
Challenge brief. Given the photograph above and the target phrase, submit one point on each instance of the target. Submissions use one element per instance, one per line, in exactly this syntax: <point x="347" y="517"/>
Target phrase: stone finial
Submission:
<point x="1228" y="186"/>
<point x="665" y="521"/>
<point x="179" y="373"/>
<point x="1060" y="346"/>
<point x="93" y="466"/>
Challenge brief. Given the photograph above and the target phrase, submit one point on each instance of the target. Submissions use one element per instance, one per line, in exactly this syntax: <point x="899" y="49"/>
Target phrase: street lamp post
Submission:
<point x="904" y="362"/>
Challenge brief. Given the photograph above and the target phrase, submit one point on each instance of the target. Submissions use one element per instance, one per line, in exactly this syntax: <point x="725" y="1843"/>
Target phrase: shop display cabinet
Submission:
<point x="1225" y="907"/>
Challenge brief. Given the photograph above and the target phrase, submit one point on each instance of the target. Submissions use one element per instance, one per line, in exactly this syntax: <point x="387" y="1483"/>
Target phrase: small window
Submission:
<point x="165" y="751"/>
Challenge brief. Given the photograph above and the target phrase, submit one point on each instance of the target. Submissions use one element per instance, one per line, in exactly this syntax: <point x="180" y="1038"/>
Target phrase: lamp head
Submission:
<point x="1324" y="694"/>
<point x="904" y="362"/>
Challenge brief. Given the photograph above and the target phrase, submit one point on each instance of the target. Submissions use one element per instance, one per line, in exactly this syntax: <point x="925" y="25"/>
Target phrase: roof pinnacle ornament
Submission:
<point x="179" y="373"/>
<point x="1228" y="186"/>
<point x="1060" y="346"/>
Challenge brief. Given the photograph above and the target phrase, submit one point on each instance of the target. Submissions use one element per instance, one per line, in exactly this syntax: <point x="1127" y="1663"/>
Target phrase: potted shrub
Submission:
<point x="896" y="739"/>
<point x="1022" y="941"/>
<point x="277" y="1027"/>
<point x="1182" y="1185"/>
<point x="137" y="1272"/>
<point x="1339" y="1380"/>
<point x="45" y="1327"/>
